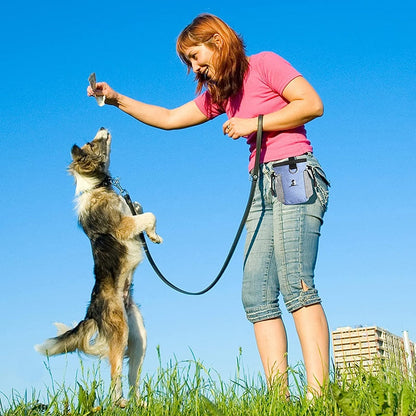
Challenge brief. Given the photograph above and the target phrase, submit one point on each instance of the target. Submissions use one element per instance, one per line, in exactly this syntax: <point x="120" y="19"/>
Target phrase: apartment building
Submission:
<point x="365" y="346"/>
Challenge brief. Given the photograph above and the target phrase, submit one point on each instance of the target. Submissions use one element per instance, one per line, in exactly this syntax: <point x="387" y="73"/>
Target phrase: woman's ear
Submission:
<point x="218" y="40"/>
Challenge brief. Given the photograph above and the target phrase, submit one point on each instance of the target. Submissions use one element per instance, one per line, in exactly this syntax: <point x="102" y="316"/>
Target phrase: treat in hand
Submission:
<point x="93" y="84"/>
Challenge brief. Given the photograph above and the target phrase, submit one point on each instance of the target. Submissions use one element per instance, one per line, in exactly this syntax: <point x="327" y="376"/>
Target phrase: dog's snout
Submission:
<point x="102" y="128"/>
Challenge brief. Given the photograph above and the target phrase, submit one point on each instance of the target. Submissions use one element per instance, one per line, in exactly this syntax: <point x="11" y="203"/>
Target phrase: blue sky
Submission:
<point x="361" y="58"/>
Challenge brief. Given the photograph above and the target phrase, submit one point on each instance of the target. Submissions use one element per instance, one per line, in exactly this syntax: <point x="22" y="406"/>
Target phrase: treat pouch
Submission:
<point x="292" y="181"/>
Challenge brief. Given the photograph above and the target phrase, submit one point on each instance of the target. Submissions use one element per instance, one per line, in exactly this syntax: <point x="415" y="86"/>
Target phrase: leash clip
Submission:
<point x="116" y="183"/>
<point x="135" y="207"/>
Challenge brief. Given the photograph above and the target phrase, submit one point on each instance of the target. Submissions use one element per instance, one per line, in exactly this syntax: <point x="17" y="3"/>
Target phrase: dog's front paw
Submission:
<point x="155" y="237"/>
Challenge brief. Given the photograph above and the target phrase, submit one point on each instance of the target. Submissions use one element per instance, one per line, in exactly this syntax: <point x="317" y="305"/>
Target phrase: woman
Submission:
<point x="282" y="240"/>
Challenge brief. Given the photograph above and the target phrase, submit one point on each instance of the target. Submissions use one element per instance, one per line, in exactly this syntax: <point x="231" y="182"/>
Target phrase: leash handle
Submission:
<point x="255" y="176"/>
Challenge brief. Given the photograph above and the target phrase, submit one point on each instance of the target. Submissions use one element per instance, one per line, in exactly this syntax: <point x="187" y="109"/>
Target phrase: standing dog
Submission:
<point x="113" y="326"/>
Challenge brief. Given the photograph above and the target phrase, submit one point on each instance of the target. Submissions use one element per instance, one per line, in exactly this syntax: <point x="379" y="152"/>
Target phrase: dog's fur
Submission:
<point x="113" y="325"/>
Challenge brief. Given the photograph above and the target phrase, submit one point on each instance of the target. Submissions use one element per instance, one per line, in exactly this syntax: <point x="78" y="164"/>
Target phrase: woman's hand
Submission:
<point x="102" y="88"/>
<point x="238" y="127"/>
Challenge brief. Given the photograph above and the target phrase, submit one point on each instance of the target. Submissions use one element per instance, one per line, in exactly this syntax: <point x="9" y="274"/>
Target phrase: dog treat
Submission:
<point x="93" y="83"/>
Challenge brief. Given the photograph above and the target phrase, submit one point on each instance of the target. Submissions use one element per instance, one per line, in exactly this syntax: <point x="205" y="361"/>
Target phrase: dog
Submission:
<point x="113" y="326"/>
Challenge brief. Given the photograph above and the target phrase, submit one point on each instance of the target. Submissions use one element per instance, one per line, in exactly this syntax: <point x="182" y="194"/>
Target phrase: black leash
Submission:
<point x="254" y="175"/>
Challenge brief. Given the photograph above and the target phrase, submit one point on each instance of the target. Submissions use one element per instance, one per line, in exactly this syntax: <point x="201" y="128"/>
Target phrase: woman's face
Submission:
<point x="200" y="57"/>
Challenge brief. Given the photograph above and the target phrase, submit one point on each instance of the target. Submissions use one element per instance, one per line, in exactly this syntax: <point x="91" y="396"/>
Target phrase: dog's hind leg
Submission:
<point x="116" y="329"/>
<point x="136" y="346"/>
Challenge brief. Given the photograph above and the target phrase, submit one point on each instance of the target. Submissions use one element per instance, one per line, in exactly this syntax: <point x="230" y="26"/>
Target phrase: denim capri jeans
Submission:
<point x="281" y="247"/>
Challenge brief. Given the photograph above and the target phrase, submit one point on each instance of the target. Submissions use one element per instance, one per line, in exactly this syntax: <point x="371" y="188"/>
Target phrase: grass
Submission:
<point x="189" y="388"/>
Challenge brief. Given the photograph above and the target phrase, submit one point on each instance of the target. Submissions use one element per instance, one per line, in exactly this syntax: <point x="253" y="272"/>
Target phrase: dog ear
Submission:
<point x="76" y="152"/>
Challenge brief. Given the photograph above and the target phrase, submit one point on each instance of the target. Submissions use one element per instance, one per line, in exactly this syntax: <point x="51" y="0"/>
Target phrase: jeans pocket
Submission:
<point x="321" y="185"/>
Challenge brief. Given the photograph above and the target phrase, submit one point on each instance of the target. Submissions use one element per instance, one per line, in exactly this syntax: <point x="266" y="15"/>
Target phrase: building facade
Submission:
<point x="364" y="347"/>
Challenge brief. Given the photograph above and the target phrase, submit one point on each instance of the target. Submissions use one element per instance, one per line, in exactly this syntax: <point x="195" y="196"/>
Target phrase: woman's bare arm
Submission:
<point x="168" y="119"/>
<point x="304" y="104"/>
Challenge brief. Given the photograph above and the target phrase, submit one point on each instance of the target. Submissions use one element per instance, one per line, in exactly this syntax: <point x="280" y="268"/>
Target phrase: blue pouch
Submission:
<point x="292" y="181"/>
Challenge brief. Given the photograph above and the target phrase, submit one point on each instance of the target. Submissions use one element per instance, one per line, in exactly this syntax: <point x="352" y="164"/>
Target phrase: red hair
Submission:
<point x="229" y="60"/>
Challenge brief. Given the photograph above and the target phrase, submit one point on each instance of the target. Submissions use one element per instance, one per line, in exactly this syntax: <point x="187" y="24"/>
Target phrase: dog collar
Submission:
<point x="105" y="183"/>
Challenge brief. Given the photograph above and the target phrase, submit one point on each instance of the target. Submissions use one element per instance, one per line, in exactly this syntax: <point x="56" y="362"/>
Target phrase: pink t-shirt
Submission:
<point x="266" y="78"/>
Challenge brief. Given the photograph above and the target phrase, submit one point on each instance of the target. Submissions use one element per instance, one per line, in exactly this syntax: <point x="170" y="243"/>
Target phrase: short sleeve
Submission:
<point x="205" y="105"/>
<point x="277" y="72"/>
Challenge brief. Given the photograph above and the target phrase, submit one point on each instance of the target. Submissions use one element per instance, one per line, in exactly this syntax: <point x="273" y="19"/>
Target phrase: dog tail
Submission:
<point x="83" y="337"/>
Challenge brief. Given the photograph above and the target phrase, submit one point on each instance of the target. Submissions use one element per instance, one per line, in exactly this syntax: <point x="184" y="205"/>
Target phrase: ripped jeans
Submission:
<point x="281" y="248"/>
